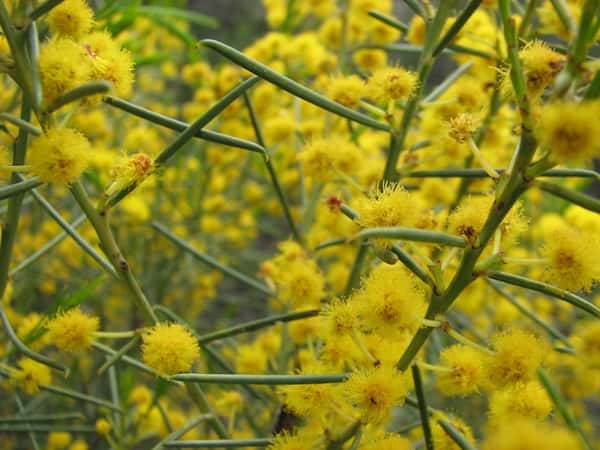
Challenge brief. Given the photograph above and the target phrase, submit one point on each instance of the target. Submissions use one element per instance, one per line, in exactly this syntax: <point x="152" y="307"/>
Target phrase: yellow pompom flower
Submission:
<point x="529" y="435"/>
<point x="391" y="83"/>
<point x="109" y="62"/>
<point x="63" y="67"/>
<point x="321" y="158"/>
<point x="346" y="90"/>
<point x="462" y="126"/>
<point x="521" y="400"/>
<point x="60" y="156"/>
<point x="570" y="131"/>
<point x="572" y="258"/>
<point x="169" y="348"/>
<point x="587" y="343"/>
<point x="388" y="206"/>
<point x="390" y="302"/>
<point x="518" y="356"/>
<point x="58" y="440"/>
<point x="102" y="427"/>
<point x="387" y="441"/>
<point x="466" y="364"/>
<point x="340" y="318"/>
<point x="442" y="440"/>
<point x="133" y="169"/>
<point x="30" y="375"/>
<point x="73" y="18"/>
<point x="376" y="391"/>
<point x="73" y="331"/>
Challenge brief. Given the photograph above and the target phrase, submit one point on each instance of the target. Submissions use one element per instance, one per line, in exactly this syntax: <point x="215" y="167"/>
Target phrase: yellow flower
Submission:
<point x="169" y="348"/>
<point x="441" y="439"/>
<point x="517" y="358"/>
<point x="462" y="126"/>
<point x="467" y="370"/>
<point x="63" y="67"/>
<point x="587" y="343"/>
<point x="386" y="442"/>
<point x="72" y="331"/>
<point x="58" y="440"/>
<point x="521" y="400"/>
<point x="388" y="206"/>
<point x="540" y="65"/>
<point x="389" y="301"/>
<point x="391" y="83"/>
<point x="134" y="169"/>
<point x="529" y="435"/>
<point x="73" y="18"/>
<point x="31" y="375"/>
<point x="59" y="156"/>
<point x="570" y="131"/>
<point x="340" y="318"/>
<point x="322" y="157"/>
<point x="572" y="258"/>
<point x="376" y="391"/>
<point x="102" y="427"/>
<point x="346" y="90"/>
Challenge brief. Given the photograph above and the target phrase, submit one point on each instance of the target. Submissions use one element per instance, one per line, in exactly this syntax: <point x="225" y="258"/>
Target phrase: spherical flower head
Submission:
<point x="540" y="65"/>
<point x="390" y="301"/>
<point x="391" y="83"/>
<point x="73" y="331"/>
<point x="169" y="348"/>
<point x="528" y="434"/>
<point x="73" y="18"/>
<point x="63" y="67"/>
<point x="58" y="440"/>
<point x="570" y="131"/>
<point x="376" y="391"/>
<point x="587" y="343"/>
<point x="301" y="284"/>
<point x="30" y="375"/>
<point x="109" y="62"/>
<point x="416" y="30"/>
<point x="60" y="156"/>
<point x="134" y="169"/>
<point x="387" y="441"/>
<point x="340" y="318"/>
<point x="307" y="400"/>
<point x="321" y="158"/>
<point x="521" y="400"/>
<point x="346" y="90"/>
<point x="302" y="439"/>
<point x="572" y="257"/>
<point x="462" y="126"/>
<point x="517" y="358"/>
<point x="466" y="364"/>
<point x="442" y="440"/>
<point x="102" y="427"/>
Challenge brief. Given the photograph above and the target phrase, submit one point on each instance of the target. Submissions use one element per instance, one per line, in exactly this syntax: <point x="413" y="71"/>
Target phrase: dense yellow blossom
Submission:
<point x="169" y="348"/>
<point x="72" y="331"/>
<point x="73" y="18"/>
<point x="30" y="375"/>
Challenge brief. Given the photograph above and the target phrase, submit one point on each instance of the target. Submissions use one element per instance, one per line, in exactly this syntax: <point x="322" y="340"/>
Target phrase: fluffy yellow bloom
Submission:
<point x="540" y="65"/>
<point x="30" y="375"/>
<point x="79" y="444"/>
<point x="73" y="18"/>
<point x="109" y="62"/>
<point x="387" y="441"/>
<point x="102" y="427"/>
<point x="522" y="400"/>
<point x="321" y="158"/>
<point x="308" y="400"/>
<point x="518" y="356"/>
<point x="63" y="67"/>
<point x="390" y="303"/>
<point x="376" y="391"/>
<point x="169" y="348"/>
<point x="529" y="435"/>
<point x="301" y="440"/>
<point x="572" y="258"/>
<point x="58" y="440"/>
<point x="570" y="131"/>
<point x="391" y="83"/>
<point x="587" y="342"/>
<point x="462" y="126"/>
<point x="346" y="90"/>
<point x="340" y="318"/>
<point x="467" y="372"/>
<point x="72" y="331"/>
<point x="390" y="205"/>
<point x="60" y="156"/>
<point x="133" y="169"/>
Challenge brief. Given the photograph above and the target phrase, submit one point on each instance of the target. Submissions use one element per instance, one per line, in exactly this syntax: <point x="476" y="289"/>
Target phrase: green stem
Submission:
<point x="111" y="250"/>
<point x="177" y="125"/>
<point x="480" y="173"/>
<point x="449" y="81"/>
<point x="457" y="25"/>
<point x="355" y="273"/>
<point x="550" y="329"/>
<point x="291" y="86"/>
<point x="422" y="403"/>
<point x="563" y="407"/>
<point x="220" y="443"/>
<point x="548" y="289"/>
<point x="283" y="200"/>
<point x="217" y="378"/>
<point x="456" y="435"/>
<point x="43" y="9"/>
<point x="19" y="187"/>
<point x="78" y="396"/>
<point x="256" y="325"/>
<point x="113" y="359"/>
<point x="585" y="201"/>
<point x="43" y="418"/>
<point x="413" y="234"/>
<point x="31" y="434"/>
<point x="22" y="124"/>
<point x="192" y="423"/>
<point x="389" y="20"/>
<point x="198" y="397"/>
<point x="80" y="92"/>
<point x="412" y="265"/>
<point x="210" y="261"/>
